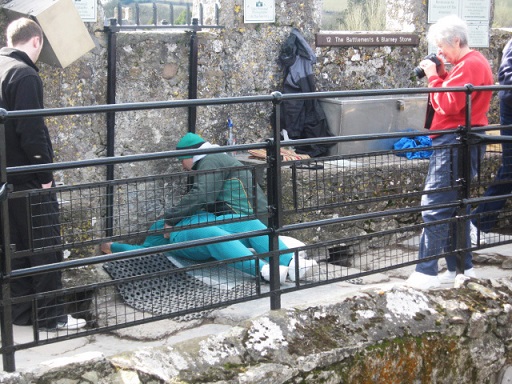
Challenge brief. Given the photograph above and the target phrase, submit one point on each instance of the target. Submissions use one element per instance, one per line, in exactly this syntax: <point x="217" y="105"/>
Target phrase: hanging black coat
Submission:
<point x="301" y="119"/>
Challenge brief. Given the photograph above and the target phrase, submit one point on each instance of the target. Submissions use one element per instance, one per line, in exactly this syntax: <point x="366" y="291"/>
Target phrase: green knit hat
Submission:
<point x="189" y="141"/>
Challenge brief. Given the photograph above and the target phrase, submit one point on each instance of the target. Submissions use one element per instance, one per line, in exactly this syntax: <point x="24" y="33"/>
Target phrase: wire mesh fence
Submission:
<point x="353" y="215"/>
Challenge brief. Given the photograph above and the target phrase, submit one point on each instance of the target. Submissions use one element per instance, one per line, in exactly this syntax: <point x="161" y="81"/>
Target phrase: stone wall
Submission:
<point x="237" y="60"/>
<point x="396" y="336"/>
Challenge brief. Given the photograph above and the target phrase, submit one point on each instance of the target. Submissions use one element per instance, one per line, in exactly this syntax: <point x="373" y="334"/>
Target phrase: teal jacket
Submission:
<point x="220" y="186"/>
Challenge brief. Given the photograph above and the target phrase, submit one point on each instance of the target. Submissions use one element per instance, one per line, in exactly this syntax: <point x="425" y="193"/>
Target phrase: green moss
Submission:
<point x="320" y="335"/>
<point x="401" y="360"/>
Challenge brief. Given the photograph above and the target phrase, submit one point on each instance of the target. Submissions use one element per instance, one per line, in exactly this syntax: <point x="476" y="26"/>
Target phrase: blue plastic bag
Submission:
<point x="414" y="142"/>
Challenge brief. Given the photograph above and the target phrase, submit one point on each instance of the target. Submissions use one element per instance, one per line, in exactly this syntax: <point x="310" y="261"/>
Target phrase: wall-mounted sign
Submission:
<point x="476" y="13"/>
<point x="87" y="10"/>
<point x="441" y="8"/>
<point x="259" y="11"/>
<point x="478" y="35"/>
<point x="469" y="10"/>
<point x="365" y="39"/>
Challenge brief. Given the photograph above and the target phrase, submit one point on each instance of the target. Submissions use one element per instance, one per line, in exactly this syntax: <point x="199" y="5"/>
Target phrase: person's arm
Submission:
<point x="32" y="132"/>
<point x="505" y="73"/>
<point x="204" y="191"/>
<point x="451" y="103"/>
<point x="122" y="247"/>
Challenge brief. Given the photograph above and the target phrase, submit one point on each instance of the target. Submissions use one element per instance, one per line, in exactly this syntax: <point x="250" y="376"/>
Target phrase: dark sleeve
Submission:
<point x="32" y="132"/>
<point x="204" y="192"/>
<point x="505" y="73"/>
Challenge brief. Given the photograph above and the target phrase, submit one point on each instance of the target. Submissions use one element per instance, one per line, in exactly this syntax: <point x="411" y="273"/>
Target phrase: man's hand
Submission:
<point x="47" y="185"/>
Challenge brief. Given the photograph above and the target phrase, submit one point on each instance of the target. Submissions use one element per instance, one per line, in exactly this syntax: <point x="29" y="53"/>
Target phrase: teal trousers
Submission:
<point x="224" y="250"/>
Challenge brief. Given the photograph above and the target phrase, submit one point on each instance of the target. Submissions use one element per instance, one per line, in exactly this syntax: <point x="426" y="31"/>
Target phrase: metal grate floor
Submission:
<point x="178" y="290"/>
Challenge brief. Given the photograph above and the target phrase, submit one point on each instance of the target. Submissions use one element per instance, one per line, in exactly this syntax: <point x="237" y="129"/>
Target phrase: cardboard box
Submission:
<point x="66" y="38"/>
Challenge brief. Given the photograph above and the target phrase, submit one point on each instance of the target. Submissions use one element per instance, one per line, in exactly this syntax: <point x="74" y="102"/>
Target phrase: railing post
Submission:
<point x="111" y="30"/>
<point x="192" y="82"/>
<point x="274" y="201"/>
<point x="171" y="14"/>
<point x="188" y="14"/>
<point x="217" y="14"/>
<point x="137" y="14"/>
<point x="120" y="13"/>
<point x="464" y="183"/>
<point x="6" y="329"/>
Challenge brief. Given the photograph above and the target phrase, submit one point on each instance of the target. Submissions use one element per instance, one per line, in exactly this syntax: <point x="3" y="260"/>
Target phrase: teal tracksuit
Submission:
<point x="224" y="250"/>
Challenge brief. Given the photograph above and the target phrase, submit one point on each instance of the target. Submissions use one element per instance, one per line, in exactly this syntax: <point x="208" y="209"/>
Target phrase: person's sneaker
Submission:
<point x="304" y="266"/>
<point x="420" y="280"/>
<point x="474" y="235"/>
<point x="70" y="324"/>
<point x="486" y="237"/>
<point x="470" y="273"/>
<point x="292" y="242"/>
<point x="448" y="277"/>
<point x="283" y="272"/>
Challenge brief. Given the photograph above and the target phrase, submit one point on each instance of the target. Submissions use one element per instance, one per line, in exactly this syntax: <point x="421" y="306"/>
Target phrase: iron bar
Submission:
<point x="192" y="82"/>
<point x="111" y="119"/>
<point x="6" y="329"/>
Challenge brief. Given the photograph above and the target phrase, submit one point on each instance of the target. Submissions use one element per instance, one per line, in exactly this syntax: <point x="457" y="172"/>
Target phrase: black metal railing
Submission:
<point x="365" y="205"/>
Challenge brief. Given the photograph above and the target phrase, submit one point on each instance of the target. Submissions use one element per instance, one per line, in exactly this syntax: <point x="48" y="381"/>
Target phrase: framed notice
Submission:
<point x="441" y="8"/>
<point x="468" y="10"/>
<point x="259" y="11"/>
<point x="87" y="10"/>
<point x="476" y="10"/>
<point x="478" y="35"/>
<point x="476" y="13"/>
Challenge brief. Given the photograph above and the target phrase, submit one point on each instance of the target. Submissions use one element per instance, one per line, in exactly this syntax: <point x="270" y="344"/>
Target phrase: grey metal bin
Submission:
<point x="371" y="115"/>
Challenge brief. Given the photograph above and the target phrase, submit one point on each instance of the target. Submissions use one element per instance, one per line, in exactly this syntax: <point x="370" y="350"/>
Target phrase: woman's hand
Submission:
<point x="429" y="67"/>
<point x="167" y="234"/>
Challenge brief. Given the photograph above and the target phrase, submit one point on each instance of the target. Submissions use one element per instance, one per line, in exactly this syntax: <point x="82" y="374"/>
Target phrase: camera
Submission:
<point x="419" y="72"/>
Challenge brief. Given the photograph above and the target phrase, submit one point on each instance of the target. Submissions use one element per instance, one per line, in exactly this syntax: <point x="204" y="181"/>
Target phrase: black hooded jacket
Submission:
<point x="301" y="119"/>
<point x="28" y="141"/>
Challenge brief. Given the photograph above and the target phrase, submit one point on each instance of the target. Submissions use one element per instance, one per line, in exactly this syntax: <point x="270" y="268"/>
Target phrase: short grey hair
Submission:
<point x="447" y="29"/>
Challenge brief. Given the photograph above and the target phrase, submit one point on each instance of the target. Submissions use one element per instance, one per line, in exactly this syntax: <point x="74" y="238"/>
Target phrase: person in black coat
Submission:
<point x="33" y="222"/>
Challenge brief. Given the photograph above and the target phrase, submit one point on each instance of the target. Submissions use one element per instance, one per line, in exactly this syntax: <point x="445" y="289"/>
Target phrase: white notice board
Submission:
<point x="259" y="11"/>
<point x="87" y="10"/>
<point x="476" y="13"/>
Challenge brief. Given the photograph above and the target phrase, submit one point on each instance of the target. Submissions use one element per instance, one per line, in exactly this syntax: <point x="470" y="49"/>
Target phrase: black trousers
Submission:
<point x="35" y="224"/>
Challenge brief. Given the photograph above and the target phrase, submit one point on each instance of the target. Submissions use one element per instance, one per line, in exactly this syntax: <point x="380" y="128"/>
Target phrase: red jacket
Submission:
<point x="450" y="107"/>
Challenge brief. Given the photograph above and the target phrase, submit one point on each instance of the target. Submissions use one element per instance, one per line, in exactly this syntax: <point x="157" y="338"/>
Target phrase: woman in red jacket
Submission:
<point x="450" y="35"/>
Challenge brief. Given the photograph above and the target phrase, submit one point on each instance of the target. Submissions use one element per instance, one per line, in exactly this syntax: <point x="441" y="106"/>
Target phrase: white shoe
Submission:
<point x="292" y="242"/>
<point x="474" y="232"/>
<point x="71" y="324"/>
<point x="304" y="266"/>
<point x="470" y="273"/>
<point x="420" y="280"/>
<point x="481" y="237"/>
<point x="448" y="277"/>
<point x="265" y="273"/>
